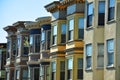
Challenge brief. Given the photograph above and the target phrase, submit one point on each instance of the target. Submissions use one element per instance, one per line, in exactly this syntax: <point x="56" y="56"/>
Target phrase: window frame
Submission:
<point x="54" y="35"/>
<point x="90" y="16"/>
<point x="35" y="45"/>
<point x="111" y="11"/>
<point x="80" y="29"/>
<point x="101" y="15"/>
<point x="63" y="34"/>
<point x="110" y="54"/>
<point x="89" y="58"/>
<point x="69" y="69"/>
<point x="100" y="55"/>
<point x="70" y="31"/>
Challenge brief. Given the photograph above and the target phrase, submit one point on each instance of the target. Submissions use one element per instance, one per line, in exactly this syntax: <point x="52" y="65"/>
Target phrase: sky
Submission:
<point x="12" y="11"/>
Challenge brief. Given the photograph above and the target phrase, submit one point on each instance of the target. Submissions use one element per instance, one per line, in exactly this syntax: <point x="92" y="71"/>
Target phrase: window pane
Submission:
<point x="26" y="45"/>
<point x="89" y="61"/>
<point x="37" y="43"/>
<point x="53" y="66"/>
<point x="63" y="29"/>
<point x="89" y="50"/>
<point x="71" y="24"/>
<point x="101" y="6"/>
<point x="62" y="65"/>
<point x="100" y="49"/>
<point x="70" y="63"/>
<point x="80" y="63"/>
<point x="100" y="61"/>
<point x="111" y="3"/>
<point x="81" y="23"/>
<point x="90" y="8"/>
<point x="31" y="44"/>
<point x="110" y="45"/>
<point x="25" y="74"/>
<point x="55" y="30"/>
<point x="43" y="36"/>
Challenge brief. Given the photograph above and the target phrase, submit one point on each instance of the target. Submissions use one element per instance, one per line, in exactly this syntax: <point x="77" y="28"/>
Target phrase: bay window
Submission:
<point x="100" y="56"/>
<point x="70" y="28"/>
<point x="54" y="35"/>
<point x="110" y="52"/>
<point x="88" y="56"/>
<point x="80" y="28"/>
<point x="80" y="68"/>
<point x="70" y="67"/>
<point x="63" y="33"/>
<point x="111" y="9"/>
<point x="101" y="13"/>
<point x="89" y="14"/>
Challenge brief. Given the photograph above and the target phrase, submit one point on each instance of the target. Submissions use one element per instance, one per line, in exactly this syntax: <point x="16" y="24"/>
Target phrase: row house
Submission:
<point x="66" y="52"/>
<point x="2" y="61"/>
<point x="39" y="44"/>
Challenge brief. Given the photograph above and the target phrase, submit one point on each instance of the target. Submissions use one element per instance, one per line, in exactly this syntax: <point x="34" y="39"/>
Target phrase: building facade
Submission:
<point x="67" y="39"/>
<point x="10" y="52"/>
<point x="2" y="61"/>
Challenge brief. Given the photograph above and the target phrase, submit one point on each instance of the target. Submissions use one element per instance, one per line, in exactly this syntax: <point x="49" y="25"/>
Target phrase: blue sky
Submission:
<point x="12" y="11"/>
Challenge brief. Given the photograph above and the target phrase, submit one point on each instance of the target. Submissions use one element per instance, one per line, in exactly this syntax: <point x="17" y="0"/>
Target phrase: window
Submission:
<point x="37" y="43"/>
<point x="80" y="68"/>
<point x="70" y="28"/>
<point x="18" y="43"/>
<point x="62" y="70"/>
<point x="41" y="72"/>
<point x="110" y="51"/>
<point x="25" y="75"/>
<point x="54" y="35"/>
<point x="17" y="74"/>
<point x="34" y="43"/>
<point x="63" y="33"/>
<point x="69" y="71"/>
<point x="7" y="75"/>
<point x="25" y="45"/>
<point x="8" y="48"/>
<point x="88" y="56"/>
<point x="111" y="9"/>
<point x="43" y="40"/>
<point x="80" y="28"/>
<point x="47" y="72"/>
<point x="53" y="70"/>
<point x="100" y="56"/>
<point x="14" y="47"/>
<point x="36" y="73"/>
<point x="31" y="44"/>
<point x="48" y="39"/>
<point x="101" y="11"/>
<point x="89" y="14"/>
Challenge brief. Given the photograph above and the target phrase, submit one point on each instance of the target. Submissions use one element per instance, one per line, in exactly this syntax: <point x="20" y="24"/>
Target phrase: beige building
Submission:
<point x="101" y="52"/>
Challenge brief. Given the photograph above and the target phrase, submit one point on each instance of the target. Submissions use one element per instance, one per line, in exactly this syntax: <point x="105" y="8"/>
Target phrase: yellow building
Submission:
<point x="67" y="39"/>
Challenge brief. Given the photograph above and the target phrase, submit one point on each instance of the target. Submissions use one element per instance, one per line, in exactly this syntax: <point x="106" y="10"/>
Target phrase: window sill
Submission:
<point x="111" y="21"/>
<point x="89" y="28"/>
<point x="110" y="66"/>
<point x="69" y="41"/>
<point x="88" y="69"/>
